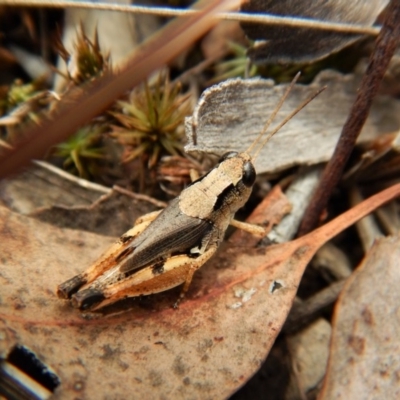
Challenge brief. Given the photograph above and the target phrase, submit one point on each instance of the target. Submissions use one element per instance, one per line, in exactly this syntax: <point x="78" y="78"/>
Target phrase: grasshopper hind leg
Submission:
<point x="71" y="286"/>
<point x="87" y="299"/>
<point x="175" y="271"/>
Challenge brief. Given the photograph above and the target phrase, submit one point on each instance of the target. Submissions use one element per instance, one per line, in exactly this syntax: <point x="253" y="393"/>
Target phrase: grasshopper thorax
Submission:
<point x="241" y="165"/>
<point x="221" y="192"/>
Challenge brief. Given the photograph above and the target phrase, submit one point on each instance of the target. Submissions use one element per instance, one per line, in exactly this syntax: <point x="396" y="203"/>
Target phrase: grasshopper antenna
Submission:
<point x="288" y="118"/>
<point x="274" y="112"/>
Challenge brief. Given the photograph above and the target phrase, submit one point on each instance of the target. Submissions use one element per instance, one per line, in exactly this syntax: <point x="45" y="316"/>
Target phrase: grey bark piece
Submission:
<point x="230" y="115"/>
<point x="299" y="194"/>
<point x="56" y="197"/>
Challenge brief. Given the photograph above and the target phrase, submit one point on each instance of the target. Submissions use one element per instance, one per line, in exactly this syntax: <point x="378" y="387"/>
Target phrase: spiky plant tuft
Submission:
<point x="151" y="122"/>
<point x="237" y="66"/>
<point x="87" y="60"/>
<point x="82" y="152"/>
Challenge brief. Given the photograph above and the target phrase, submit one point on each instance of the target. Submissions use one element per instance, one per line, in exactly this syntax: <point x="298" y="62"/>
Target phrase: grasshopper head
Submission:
<point x="240" y="168"/>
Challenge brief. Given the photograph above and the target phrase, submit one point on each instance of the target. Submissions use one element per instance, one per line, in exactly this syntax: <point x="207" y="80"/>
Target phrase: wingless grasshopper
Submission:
<point x="165" y="248"/>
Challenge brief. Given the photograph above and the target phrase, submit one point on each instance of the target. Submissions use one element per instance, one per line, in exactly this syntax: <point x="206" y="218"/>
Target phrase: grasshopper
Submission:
<point x="165" y="248"/>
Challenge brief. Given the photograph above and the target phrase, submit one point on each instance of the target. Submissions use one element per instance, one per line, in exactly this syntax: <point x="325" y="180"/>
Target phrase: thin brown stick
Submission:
<point x="385" y="46"/>
<point x="140" y="196"/>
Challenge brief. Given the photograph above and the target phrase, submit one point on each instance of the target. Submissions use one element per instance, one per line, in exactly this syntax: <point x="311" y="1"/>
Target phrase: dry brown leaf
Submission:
<point x="364" y="361"/>
<point x="285" y="44"/>
<point x="160" y="350"/>
<point x="309" y="350"/>
<point x="376" y="160"/>
<point x="207" y="349"/>
<point x="236" y="110"/>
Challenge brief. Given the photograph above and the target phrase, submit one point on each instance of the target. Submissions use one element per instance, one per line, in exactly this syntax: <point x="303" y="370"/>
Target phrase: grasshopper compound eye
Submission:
<point x="249" y="174"/>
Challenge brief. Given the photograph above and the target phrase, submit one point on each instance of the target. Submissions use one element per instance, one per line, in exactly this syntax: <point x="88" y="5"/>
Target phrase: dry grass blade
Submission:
<point x="266" y="19"/>
<point x="153" y="54"/>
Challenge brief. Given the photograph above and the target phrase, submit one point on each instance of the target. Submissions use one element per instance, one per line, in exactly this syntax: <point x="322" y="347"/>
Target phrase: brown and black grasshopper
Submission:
<point x="165" y="248"/>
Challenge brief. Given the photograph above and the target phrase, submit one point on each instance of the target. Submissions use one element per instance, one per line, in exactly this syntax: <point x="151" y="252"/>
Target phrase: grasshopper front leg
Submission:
<point x="72" y="285"/>
<point x="255" y="230"/>
<point x="156" y="278"/>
